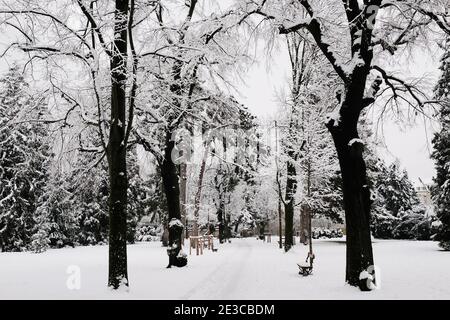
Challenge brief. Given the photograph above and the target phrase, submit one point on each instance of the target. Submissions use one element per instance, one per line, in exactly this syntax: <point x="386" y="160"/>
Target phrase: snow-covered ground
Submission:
<point x="244" y="269"/>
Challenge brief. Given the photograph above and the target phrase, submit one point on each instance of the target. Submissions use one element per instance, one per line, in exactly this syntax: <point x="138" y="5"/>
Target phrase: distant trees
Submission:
<point x="441" y="153"/>
<point x="397" y="212"/>
<point x="309" y="160"/>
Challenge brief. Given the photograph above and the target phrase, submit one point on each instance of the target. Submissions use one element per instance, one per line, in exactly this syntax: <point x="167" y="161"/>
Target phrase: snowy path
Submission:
<point x="243" y="269"/>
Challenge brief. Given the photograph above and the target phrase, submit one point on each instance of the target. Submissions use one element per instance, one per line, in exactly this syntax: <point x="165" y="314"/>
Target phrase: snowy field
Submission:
<point x="243" y="269"/>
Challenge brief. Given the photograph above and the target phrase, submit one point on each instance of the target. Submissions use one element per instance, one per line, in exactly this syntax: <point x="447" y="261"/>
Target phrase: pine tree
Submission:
<point x="73" y="208"/>
<point x="397" y="190"/>
<point x="395" y="210"/>
<point x="56" y="223"/>
<point x="24" y="156"/>
<point x="441" y="153"/>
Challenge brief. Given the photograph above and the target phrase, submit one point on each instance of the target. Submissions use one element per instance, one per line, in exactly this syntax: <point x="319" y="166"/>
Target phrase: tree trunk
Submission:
<point x="356" y="192"/>
<point x="172" y="192"/>
<point x="304" y="225"/>
<point x="305" y="213"/>
<point x="221" y="218"/>
<point x="183" y="190"/>
<point x="238" y="222"/>
<point x="116" y="154"/>
<point x="262" y="230"/>
<point x="291" y="188"/>
<point x="198" y="194"/>
<point x="280" y="226"/>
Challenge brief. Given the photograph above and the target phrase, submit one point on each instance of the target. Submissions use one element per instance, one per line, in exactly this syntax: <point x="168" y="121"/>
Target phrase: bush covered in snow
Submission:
<point x="324" y="233"/>
<point x="383" y="225"/>
<point x="148" y="233"/>
<point x="441" y="153"/>
<point x="414" y="226"/>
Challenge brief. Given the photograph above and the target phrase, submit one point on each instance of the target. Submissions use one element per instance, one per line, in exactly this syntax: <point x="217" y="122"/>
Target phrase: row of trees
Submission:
<point x="69" y="207"/>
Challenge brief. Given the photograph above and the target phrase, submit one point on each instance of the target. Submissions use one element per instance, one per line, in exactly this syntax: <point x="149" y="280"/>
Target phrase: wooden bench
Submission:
<point x="306" y="270"/>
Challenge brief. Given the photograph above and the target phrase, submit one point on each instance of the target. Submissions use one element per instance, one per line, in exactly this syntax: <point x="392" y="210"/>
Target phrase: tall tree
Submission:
<point x="116" y="150"/>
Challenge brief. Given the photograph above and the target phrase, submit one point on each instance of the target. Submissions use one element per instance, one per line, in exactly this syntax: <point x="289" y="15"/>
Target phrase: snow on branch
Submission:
<point x="442" y="19"/>
<point x="315" y="29"/>
<point x="399" y="87"/>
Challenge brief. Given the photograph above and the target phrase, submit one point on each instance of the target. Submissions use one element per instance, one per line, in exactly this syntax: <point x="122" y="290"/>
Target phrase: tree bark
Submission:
<point x="221" y="218"/>
<point x="291" y="188"/>
<point x="116" y="153"/>
<point x="355" y="189"/>
<point x="172" y="191"/>
<point x="280" y="226"/>
<point x="304" y="225"/>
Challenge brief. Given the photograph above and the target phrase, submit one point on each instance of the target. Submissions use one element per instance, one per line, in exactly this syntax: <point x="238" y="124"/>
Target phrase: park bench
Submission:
<point x="306" y="270"/>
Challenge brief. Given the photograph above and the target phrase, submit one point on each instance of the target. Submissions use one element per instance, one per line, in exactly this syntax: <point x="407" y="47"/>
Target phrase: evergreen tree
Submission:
<point x="441" y="153"/>
<point x="397" y="190"/>
<point x="395" y="209"/>
<point x="56" y="223"/>
<point x="24" y="156"/>
<point x="73" y="209"/>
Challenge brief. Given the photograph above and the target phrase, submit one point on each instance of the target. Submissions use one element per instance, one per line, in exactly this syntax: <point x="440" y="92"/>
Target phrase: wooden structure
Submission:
<point x="201" y="242"/>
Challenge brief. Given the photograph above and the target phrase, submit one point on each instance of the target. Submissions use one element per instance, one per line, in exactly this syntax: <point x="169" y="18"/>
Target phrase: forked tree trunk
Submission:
<point x="172" y="192"/>
<point x="356" y="192"/>
<point x="116" y="154"/>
